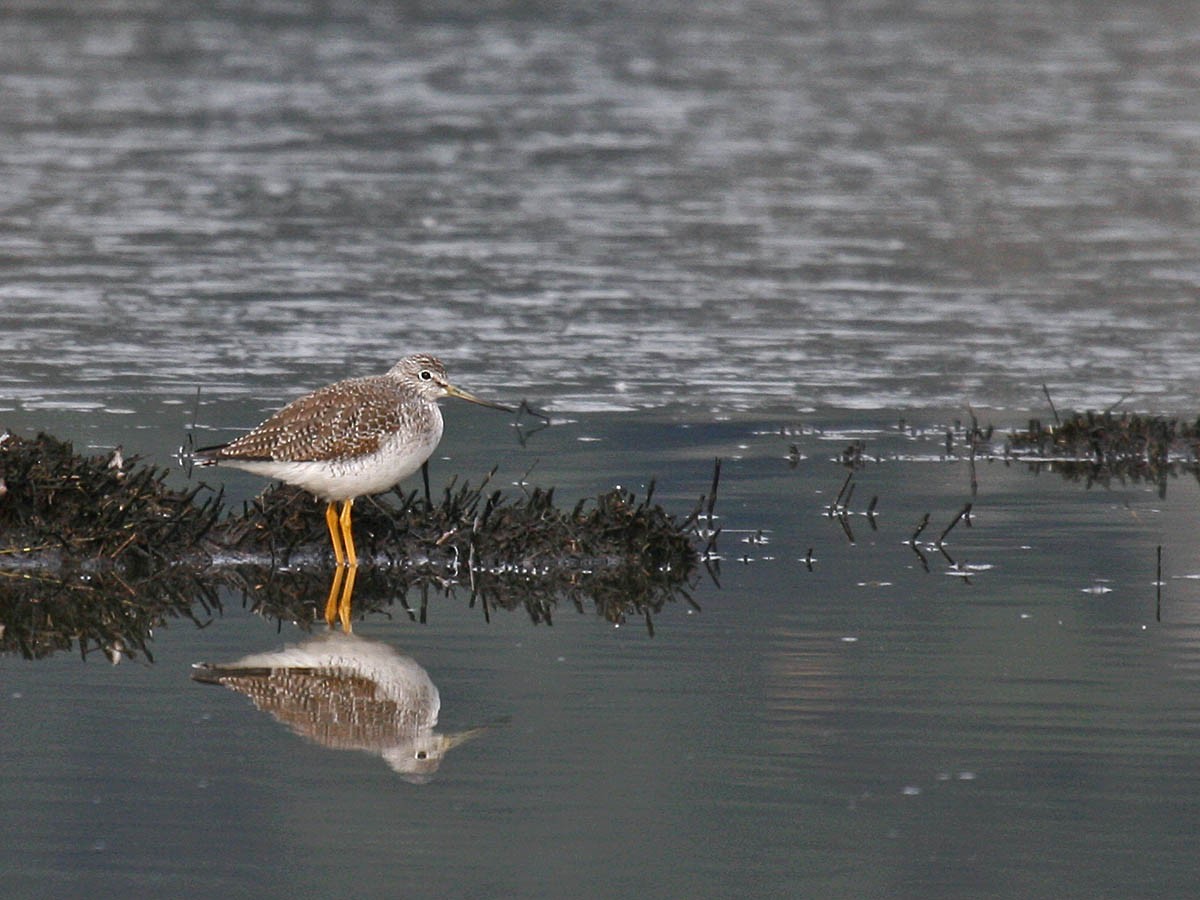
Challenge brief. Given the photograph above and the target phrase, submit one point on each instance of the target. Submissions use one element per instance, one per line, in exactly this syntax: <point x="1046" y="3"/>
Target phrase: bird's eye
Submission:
<point x="421" y="754"/>
<point x="425" y="375"/>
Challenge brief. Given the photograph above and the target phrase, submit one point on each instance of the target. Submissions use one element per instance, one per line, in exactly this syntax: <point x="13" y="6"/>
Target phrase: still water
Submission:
<point x="759" y="231"/>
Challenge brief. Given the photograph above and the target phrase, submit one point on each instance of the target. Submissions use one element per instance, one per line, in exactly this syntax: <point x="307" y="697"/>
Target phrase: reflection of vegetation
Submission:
<point x="1099" y="447"/>
<point x="619" y="594"/>
<point x="42" y="614"/>
<point x="97" y="554"/>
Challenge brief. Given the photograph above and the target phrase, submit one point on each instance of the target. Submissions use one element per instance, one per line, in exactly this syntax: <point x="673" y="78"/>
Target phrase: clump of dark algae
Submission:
<point x="1097" y="447"/>
<point x="96" y="552"/>
<point x="86" y="550"/>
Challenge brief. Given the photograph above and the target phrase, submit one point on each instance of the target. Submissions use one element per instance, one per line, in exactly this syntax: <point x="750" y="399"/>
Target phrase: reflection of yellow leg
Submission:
<point x="344" y="600"/>
<point x="347" y="534"/>
<point x="335" y="593"/>
<point x="331" y="520"/>
<point x="340" y="592"/>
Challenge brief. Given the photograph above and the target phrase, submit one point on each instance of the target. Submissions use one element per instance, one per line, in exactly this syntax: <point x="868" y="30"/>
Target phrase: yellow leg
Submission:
<point x="331" y="520"/>
<point x="347" y="534"/>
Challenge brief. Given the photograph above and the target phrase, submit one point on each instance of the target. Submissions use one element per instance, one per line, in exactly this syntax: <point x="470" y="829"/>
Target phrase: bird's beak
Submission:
<point x="449" y="741"/>
<point x="468" y="396"/>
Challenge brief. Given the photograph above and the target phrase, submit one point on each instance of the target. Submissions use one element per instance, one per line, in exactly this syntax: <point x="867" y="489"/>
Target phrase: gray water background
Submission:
<point x="688" y="230"/>
<point x="719" y="206"/>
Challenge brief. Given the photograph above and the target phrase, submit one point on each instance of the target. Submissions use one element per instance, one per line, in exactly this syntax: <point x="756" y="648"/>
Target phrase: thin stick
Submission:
<point x="975" y="432"/>
<point x="523" y="434"/>
<point x="195" y="411"/>
<point x="845" y="523"/>
<point x="536" y="413"/>
<point x="921" y="556"/>
<point x="837" y="501"/>
<point x="1046" y="391"/>
<point x="846" y="503"/>
<point x="525" y="478"/>
<point x="920" y="527"/>
<point x="964" y="512"/>
<point x="712" y="491"/>
<point x="1158" y="588"/>
<point x="1118" y="402"/>
<point x="187" y="452"/>
<point x="711" y="548"/>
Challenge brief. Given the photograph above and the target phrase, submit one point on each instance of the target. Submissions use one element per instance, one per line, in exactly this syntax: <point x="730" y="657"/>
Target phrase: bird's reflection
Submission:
<point x="347" y="693"/>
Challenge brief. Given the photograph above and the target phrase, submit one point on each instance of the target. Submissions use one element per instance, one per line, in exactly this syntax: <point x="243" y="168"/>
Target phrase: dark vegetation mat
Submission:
<point x="1097" y="447"/>
<point x="97" y="551"/>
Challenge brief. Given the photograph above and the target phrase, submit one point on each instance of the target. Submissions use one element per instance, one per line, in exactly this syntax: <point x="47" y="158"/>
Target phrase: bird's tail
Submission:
<point x="207" y="673"/>
<point x="208" y="456"/>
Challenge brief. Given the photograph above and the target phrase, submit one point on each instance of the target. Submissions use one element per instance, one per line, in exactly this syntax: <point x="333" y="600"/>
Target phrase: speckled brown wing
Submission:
<point x="347" y="419"/>
<point x="335" y="708"/>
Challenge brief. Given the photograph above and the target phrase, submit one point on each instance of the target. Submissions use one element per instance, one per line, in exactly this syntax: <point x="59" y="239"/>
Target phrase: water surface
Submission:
<point x="711" y="207"/>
